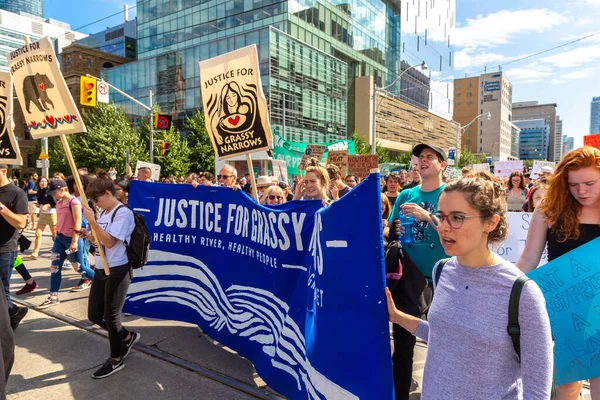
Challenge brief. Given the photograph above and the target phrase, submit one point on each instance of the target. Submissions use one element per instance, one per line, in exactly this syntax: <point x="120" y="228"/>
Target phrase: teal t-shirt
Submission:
<point x="427" y="249"/>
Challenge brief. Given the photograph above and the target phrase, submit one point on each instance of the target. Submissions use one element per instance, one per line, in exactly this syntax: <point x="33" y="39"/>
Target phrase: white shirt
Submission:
<point x="120" y="229"/>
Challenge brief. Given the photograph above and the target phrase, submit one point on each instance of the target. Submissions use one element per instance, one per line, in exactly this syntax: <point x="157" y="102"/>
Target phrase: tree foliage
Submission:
<point x="108" y="136"/>
<point x="202" y="154"/>
<point x="466" y="157"/>
<point x="384" y="155"/>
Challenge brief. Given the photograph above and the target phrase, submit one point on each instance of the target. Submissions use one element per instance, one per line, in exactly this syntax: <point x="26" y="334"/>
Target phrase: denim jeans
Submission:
<point x="86" y="260"/>
<point x="107" y="296"/>
<point x="7" y="260"/>
<point x="61" y="244"/>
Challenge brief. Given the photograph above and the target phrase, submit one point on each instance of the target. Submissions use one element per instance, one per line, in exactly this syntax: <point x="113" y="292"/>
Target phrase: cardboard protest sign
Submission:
<point x="46" y="101"/>
<point x="481" y="167"/>
<point x="312" y="151"/>
<point x="512" y="248"/>
<point x="592" y="140"/>
<point x="9" y="148"/>
<point x="237" y="118"/>
<point x="537" y="166"/>
<point x="505" y="168"/>
<point x="571" y="287"/>
<point x="280" y="170"/>
<point x="361" y="165"/>
<point x="339" y="158"/>
<point x="155" y="168"/>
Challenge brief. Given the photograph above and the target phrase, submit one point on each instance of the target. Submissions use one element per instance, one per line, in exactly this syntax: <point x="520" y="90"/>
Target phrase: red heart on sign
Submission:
<point x="68" y="118"/>
<point x="234" y="121"/>
<point x="50" y="119"/>
<point x="59" y="119"/>
<point x="41" y="85"/>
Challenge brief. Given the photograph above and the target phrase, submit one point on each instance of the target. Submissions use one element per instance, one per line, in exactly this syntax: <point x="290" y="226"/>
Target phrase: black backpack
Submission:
<point x="139" y="243"/>
<point x="513" y="328"/>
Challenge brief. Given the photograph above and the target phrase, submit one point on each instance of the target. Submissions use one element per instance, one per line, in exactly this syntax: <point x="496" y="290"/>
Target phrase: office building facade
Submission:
<point x="120" y="40"/>
<point x="534" y="139"/>
<point x="344" y="40"/>
<point x="568" y="144"/>
<point x="515" y="137"/>
<point x="31" y="7"/>
<point x="595" y="115"/>
<point x="488" y="93"/>
<point x="530" y="110"/>
<point x="558" y="141"/>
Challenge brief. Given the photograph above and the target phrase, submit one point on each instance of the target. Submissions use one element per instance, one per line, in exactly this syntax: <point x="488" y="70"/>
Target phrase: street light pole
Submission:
<point x="461" y="130"/>
<point x="374" y="102"/>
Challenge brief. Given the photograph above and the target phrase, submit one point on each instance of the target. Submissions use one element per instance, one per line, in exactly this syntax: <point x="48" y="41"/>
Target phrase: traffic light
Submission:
<point x="87" y="91"/>
<point x="164" y="149"/>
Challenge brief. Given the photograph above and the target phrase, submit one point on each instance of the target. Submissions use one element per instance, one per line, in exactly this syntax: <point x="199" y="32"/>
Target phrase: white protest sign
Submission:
<point x="280" y="170"/>
<point x="449" y="172"/>
<point x="237" y="118"/>
<point x="9" y="148"/>
<point x="481" y="167"/>
<point x="513" y="246"/>
<point x="505" y="168"/>
<point x="45" y="99"/>
<point x="102" y="95"/>
<point x="155" y="168"/>
<point x="537" y="166"/>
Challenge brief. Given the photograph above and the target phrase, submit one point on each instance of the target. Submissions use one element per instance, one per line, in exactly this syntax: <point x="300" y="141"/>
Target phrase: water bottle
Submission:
<point x="408" y="223"/>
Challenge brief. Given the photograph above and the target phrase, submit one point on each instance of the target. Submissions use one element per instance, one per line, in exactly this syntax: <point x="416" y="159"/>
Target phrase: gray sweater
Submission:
<point x="469" y="354"/>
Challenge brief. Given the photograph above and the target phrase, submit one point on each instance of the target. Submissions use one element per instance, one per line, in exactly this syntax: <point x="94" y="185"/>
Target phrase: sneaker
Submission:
<point x="110" y="367"/>
<point x="49" y="302"/>
<point x="127" y="345"/>
<point x="18" y="316"/>
<point x="82" y="285"/>
<point x="28" y="288"/>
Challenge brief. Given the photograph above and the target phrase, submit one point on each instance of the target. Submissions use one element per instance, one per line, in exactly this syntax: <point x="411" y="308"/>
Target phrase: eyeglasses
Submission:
<point x="278" y="198"/>
<point x="224" y="176"/>
<point x="454" y="220"/>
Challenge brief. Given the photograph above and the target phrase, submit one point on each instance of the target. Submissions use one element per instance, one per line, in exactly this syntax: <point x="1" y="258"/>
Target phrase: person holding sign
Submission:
<point x="516" y="191"/>
<point x="107" y="295"/>
<point x="315" y="183"/>
<point x="470" y="354"/>
<point x="567" y="218"/>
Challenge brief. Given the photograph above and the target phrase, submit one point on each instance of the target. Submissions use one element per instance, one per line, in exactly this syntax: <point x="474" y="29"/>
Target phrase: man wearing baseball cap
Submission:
<point x="418" y="202"/>
<point x="13" y="218"/>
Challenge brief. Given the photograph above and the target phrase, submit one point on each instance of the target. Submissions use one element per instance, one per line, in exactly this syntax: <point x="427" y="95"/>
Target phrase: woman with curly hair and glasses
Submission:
<point x="567" y="218"/>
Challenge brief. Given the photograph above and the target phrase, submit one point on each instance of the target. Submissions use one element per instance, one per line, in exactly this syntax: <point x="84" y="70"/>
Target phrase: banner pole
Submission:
<point x="252" y="179"/>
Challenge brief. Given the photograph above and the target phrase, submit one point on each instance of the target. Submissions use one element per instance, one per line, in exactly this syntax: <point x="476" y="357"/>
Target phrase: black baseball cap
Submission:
<point x="3" y="166"/>
<point x="56" y="184"/>
<point x="420" y="147"/>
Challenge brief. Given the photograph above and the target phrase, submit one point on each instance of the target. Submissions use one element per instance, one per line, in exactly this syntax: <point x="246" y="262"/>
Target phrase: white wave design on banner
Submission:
<point x="248" y="312"/>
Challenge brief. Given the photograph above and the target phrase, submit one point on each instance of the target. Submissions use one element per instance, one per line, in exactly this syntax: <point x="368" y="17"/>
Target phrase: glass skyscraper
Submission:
<point x="120" y="40"/>
<point x="32" y="7"/>
<point x="534" y="139"/>
<point x="309" y="52"/>
<point x="595" y="115"/>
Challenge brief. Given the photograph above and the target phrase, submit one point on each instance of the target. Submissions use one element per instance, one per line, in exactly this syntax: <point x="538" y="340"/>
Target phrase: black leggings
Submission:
<point x="107" y="296"/>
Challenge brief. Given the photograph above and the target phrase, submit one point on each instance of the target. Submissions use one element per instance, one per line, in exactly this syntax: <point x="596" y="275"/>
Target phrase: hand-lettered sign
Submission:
<point x="512" y="248"/>
<point x="340" y="159"/>
<point x="312" y="151"/>
<point x="505" y="168"/>
<point x="235" y="108"/>
<point x="280" y="170"/>
<point x="571" y="287"/>
<point x="9" y="148"/>
<point x="45" y="99"/>
<point x="361" y="165"/>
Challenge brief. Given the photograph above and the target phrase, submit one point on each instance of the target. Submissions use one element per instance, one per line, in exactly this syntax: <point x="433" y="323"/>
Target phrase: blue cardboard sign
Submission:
<point x="298" y="289"/>
<point x="571" y="287"/>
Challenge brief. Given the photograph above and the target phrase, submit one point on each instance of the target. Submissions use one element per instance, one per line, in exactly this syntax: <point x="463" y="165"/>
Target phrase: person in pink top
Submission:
<point x="67" y="244"/>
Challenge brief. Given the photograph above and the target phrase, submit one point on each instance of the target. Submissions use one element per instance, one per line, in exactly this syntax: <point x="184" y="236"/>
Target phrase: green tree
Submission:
<point x="108" y="136"/>
<point x="466" y="157"/>
<point x="202" y="154"/>
<point x="362" y="147"/>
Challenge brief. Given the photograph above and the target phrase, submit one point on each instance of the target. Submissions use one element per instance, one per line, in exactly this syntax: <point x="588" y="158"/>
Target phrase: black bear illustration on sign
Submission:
<point x="35" y="90"/>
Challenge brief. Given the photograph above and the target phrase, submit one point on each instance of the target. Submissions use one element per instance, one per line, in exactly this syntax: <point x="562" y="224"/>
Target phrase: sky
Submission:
<point x="488" y="33"/>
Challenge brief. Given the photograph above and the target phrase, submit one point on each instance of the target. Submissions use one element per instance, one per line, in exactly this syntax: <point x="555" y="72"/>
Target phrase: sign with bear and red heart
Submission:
<point x="235" y="108"/>
<point x="46" y="101"/>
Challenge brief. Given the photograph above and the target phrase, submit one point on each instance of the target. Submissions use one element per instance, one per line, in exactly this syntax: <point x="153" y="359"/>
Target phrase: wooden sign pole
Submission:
<point x="84" y="201"/>
<point x="252" y="179"/>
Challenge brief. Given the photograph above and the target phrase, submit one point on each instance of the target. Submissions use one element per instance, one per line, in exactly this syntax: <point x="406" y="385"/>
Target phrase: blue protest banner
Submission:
<point x="297" y="289"/>
<point x="571" y="287"/>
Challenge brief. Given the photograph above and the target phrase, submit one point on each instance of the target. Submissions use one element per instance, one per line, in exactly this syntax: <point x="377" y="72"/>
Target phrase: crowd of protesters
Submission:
<point x="469" y="352"/>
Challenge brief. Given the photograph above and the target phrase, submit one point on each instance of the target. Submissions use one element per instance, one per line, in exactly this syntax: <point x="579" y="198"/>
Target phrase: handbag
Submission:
<point x="24" y="242"/>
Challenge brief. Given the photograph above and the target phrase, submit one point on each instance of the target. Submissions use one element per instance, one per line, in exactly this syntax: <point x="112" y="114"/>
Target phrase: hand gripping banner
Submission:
<point x="297" y="289"/>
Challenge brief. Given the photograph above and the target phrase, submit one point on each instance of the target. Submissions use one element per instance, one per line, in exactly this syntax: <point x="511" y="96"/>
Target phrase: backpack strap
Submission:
<point x="513" y="328"/>
<point x="112" y="218"/>
<point x="438" y="271"/>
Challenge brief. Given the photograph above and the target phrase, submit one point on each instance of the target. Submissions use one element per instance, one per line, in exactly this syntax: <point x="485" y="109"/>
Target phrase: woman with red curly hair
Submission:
<point x="568" y="217"/>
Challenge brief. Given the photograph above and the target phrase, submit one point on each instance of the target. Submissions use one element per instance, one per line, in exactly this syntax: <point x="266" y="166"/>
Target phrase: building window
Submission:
<point x="68" y="61"/>
<point x="88" y="62"/>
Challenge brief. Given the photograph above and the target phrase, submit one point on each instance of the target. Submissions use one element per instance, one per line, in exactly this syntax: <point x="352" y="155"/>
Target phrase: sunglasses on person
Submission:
<point x="224" y="176"/>
<point x="278" y="198"/>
